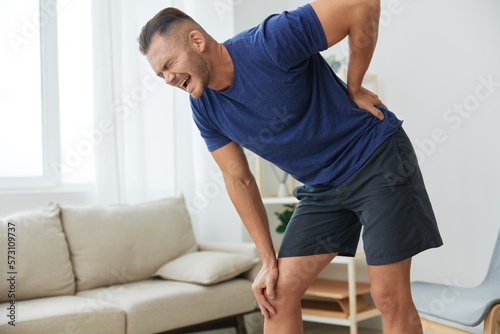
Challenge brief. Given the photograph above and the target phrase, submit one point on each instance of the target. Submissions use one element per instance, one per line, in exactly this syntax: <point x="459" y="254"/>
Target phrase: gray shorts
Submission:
<point x="386" y="197"/>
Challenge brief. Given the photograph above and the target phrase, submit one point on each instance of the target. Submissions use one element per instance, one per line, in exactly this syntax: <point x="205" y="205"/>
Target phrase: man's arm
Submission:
<point x="245" y="195"/>
<point x="358" y="19"/>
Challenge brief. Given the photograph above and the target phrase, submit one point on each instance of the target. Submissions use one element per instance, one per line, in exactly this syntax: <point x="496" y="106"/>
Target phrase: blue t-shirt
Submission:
<point x="286" y="105"/>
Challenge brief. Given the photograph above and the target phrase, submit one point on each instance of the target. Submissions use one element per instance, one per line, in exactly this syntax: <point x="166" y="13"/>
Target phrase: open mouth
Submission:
<point x="185" y="83"/>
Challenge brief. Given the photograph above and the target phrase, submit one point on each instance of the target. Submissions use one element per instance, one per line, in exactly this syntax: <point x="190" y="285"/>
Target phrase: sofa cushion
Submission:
<point x="41" y="261"/>
<point x="206" y="267"/>
<point x="156" y="305"/>
<point x="65" y="314"/>
<point x="125" y="243"/>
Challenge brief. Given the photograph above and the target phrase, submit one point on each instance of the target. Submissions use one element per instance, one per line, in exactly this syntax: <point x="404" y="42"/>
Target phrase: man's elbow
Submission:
<point x="373" y="7"/>
<point x="246" y="181"/>
<point x="239" y="180"/>
<point x="365" y="24"/>
<point x="370" y="7"/>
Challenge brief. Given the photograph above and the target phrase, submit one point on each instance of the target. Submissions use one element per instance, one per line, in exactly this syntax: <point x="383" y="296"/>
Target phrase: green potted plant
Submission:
<point x="284" y="217"/>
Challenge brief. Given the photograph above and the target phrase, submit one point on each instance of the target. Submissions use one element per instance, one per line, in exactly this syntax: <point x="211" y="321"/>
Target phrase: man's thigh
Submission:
<point x="393" y="277"/>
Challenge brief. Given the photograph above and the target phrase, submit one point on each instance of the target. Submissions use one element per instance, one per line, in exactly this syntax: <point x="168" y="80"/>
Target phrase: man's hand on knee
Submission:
<point x="264" y="288"/>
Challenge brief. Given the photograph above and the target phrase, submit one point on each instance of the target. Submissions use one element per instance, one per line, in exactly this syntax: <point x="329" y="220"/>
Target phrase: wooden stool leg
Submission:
<point x="492" y="321"/>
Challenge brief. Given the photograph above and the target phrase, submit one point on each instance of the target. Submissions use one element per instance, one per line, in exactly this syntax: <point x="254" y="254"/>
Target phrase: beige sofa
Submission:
<point x="133" y="269"/>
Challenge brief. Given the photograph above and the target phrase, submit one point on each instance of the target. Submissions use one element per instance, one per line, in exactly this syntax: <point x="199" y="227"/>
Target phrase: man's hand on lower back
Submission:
<point x="367" y="100"/>
<point x="264" y="288"/>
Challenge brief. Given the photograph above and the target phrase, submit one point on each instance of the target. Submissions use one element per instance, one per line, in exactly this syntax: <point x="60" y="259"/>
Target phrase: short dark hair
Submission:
<point x="161" y="23"/>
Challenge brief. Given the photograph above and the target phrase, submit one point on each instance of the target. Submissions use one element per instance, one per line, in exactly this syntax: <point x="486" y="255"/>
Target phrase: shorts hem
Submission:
<point x="400" y="257"/>
<point x="296" y="253"/>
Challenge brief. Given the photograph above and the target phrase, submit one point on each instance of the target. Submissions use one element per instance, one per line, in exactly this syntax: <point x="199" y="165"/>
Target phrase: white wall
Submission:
<point x="433" y="57"/>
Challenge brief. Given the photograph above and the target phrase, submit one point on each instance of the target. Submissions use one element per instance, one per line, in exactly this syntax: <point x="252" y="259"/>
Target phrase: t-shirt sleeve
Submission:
<point x="291" y="37"/>
<point x="214" y="139"/>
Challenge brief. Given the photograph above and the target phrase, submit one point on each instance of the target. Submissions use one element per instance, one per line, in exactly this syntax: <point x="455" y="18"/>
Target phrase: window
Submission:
<point x="46" y="98"/>
<point x="21" y="139"/>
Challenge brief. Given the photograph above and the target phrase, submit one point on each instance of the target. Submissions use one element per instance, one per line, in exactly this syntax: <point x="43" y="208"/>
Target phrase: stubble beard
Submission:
<point x="200" y="70"/>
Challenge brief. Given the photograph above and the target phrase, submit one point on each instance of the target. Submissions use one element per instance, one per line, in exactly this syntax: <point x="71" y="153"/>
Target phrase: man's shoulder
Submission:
<point x="286" y="39"/>
<point x="271" y="24"/>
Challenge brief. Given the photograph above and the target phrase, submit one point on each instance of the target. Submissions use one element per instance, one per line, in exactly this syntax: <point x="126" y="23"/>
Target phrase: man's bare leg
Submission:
<point x="295" y="275"/>
<point x="390" y="290"/>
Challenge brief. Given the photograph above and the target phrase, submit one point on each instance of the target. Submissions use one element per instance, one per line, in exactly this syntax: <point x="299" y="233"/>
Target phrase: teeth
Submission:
<point x="183" y="82"/>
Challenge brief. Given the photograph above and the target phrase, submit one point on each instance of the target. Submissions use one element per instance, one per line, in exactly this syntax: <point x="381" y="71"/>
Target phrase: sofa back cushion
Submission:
<point x="34" y="255"/>
<point x="125" y="243"/>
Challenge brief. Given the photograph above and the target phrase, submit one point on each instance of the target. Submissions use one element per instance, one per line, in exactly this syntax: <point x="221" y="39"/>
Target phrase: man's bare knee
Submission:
<point x="296" y="274"/>
<point x="386" y="301"/>
<point x="289" y="292"/>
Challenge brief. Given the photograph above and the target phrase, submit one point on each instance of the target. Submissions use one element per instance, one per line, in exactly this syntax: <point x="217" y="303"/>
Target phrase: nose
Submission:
<point x="169" y="78"/>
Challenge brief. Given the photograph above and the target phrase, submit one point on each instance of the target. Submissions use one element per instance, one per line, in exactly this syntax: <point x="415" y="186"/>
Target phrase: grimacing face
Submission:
<point x="181" y="66"/>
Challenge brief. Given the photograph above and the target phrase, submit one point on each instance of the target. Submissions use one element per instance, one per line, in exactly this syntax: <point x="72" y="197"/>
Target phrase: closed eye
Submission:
<point x="163" y="69"/>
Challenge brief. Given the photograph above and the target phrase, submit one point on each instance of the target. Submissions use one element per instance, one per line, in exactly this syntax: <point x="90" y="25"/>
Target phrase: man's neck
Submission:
<point x="222" y="70"/>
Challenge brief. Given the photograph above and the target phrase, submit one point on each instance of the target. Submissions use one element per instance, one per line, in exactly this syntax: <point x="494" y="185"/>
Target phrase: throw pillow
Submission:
<point x="206" y="267"/>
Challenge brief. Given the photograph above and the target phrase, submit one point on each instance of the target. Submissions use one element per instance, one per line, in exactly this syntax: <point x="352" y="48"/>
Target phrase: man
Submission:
<point x="269" y="90"/>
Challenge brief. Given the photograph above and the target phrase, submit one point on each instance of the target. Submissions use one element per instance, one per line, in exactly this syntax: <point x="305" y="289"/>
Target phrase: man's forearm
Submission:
<point x="246" y="199"/>
<point x="362" y="41"/>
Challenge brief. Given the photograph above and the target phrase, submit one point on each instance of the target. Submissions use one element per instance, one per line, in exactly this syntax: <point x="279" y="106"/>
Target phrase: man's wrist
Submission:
<point x="269" y="260"/>
<point x="353" y="84"/>
<point x="353" y="89"/>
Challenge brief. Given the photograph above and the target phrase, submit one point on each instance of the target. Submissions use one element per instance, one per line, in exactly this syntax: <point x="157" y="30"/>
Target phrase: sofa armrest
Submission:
<point x="247" y="248"/>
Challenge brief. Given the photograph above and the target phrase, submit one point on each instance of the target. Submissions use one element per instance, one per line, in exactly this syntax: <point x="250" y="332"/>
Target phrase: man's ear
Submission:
<point x="197" y="41"/>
